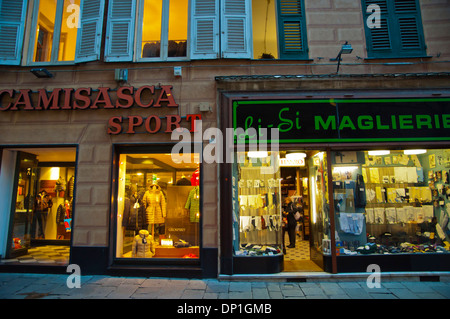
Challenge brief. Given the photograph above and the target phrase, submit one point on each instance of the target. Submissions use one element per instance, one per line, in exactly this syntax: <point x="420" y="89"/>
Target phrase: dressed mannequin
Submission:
<point x="134" y="213"/>
<point x="155" y="204"/>
<point x="143" y="245"/>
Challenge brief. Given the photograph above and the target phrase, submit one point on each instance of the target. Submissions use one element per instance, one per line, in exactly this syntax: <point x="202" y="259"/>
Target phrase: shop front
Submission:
<point x="345" y="182"/>
<point x="93" y="176"/>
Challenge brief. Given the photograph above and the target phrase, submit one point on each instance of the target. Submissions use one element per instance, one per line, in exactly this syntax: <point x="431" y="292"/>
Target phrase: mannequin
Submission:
<point x="134" y="213"/>
<point x="143" y="245"/>
<point x="155" y="204"/>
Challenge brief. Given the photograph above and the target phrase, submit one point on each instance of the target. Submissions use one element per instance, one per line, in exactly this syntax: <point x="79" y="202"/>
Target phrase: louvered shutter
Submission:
<point x="292" y="29"/>
<point x="409" y="25"/>
<point x="120" y="30"/>
<point x="400" y="34"/>
<point x="12" y="22"/>
<point x="236" y="29"/>
<point x="90" y="32"/>
<point x="379" y="39"/>
<point x="205" y="29"/>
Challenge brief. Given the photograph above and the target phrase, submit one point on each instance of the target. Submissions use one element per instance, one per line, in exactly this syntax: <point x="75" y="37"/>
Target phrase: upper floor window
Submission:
<point x="177" y="30"/>
<point x="161" y="33"/>
<point x="279" y="29"/>
<point x="398" y="33"/>
<point x="65" y="31"/>
<point x="164" y="35"/>
<point x="71" y="31"/>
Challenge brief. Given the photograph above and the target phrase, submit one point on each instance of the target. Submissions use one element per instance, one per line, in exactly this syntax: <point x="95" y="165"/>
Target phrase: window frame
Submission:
<point x="164" y="35"/>
<point x="392" y="37"/>
<point x="152" y="148"/>
<point x="86" y="17"/>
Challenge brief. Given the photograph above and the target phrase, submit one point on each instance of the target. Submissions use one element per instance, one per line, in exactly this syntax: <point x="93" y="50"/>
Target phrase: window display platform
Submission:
<point x="391" y="262"/>
<point x="258" y="265"/>
<point x="172" y="252"/>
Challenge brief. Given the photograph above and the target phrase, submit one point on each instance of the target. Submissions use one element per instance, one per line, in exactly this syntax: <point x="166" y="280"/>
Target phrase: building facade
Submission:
<point x="104" y="165"/>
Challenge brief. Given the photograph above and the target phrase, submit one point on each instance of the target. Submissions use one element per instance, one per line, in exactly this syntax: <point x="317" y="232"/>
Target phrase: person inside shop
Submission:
<point x="291" y="214"/>
<point x="42" y="202"/>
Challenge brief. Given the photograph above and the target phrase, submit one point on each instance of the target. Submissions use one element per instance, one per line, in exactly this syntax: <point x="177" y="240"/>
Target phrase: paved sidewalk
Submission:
<point x="49" y="286"/>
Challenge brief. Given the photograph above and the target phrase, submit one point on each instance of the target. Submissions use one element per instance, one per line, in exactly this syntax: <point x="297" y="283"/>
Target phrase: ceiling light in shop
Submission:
<point x="344" y="168"/>
<point x="257" y="154"/>
<point x="378" y="153"/>
<point x="414" y="152"/>
<point x="294" y="156"/>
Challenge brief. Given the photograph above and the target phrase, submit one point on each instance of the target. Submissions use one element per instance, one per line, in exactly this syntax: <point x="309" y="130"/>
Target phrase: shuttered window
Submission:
<point x="90" y="30"/>
<point x="65" y="31"/>
<point x="399" y="33"/>
<point x="120" y="30"/>
<point x="292" y="29"/>
<point x="12" y="21"/>
<point x="279" y="29"/>
<point x="221" y="29"/>
<point x="235" y="29"/>
<point x="205" y="30"/>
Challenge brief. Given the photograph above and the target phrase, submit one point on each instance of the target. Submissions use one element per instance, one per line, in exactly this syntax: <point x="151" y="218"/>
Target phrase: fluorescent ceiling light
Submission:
<point x="382" y="152"/>
<point x="294" y="156"/>
<point x="344" y="168"/>
<point x="414" y="152"/>
<point x="257" y="154"/>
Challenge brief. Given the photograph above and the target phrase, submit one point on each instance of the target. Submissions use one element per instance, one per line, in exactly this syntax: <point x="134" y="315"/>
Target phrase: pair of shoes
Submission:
<point x="291" y="246"/>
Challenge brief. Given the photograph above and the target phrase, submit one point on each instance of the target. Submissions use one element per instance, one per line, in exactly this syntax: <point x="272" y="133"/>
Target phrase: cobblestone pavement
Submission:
<point x="52" y="286"/>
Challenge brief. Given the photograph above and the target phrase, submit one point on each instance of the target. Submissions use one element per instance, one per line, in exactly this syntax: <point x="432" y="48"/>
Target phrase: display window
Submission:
<point x="158" y="206"/>
<point x="391" y="202"/>
<point x="280" y="206"/>
<point x="42" y="205"/>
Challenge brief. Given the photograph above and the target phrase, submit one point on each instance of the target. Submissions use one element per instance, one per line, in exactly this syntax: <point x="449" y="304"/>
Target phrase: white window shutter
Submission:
<point x="204" y="29"/>
<point x="90" y="32"/>
<point x="236" y="29"/>
<point x="12" y="22"/>
<point x="120" y="30"/>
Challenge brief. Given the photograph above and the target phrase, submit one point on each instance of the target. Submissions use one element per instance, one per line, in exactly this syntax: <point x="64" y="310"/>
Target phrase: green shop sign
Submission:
<point x="334" y="120"/>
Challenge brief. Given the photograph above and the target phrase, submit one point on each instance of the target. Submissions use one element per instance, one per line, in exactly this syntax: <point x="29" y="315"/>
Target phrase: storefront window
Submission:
<point x="42" y="215"/>
<point x="257" y="216"/>
<point x="391" y="202"/>
<point x="159" y="209"/>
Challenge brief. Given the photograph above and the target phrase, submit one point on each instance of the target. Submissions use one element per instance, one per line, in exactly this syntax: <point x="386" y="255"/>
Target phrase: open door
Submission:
<point x="23" y="205"/>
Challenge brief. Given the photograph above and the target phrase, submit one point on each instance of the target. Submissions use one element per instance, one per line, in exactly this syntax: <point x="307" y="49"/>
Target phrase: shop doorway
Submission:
<point x="301" y="173"/>
<point x="41" y="206"/>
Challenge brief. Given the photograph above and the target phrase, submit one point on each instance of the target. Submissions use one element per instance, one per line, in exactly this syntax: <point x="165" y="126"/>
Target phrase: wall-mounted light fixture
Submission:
<point x="41" y="73"/>
<point x="345" y="49"/>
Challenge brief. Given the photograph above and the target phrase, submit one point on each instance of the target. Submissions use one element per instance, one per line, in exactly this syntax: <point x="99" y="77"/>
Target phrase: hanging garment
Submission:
<point x="360" y="192"/>
<point x="193" y="205"/>
<point x="155" y="204"/>
<point x="60" y="214"/>
<point x="352" y="223"/>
